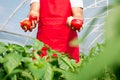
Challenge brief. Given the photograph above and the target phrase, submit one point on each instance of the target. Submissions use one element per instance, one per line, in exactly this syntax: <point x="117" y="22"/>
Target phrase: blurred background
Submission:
<point x="13" y="11"/>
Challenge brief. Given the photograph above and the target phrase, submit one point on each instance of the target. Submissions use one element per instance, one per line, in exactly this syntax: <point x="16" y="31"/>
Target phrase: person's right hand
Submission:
<point x="29" y="24"/>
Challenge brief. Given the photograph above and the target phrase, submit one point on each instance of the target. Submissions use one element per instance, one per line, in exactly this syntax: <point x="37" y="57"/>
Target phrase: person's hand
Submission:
<point x="34" y="21"/>
<point x="29" y="24"/>
<point x="75" y="24"/>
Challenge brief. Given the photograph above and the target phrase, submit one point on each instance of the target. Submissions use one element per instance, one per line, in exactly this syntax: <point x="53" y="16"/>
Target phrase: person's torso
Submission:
<point x="54" y="11"/>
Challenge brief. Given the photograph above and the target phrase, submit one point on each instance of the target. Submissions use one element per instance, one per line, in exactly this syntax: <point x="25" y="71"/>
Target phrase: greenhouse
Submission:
<point x="10" y="30"/>
<point x="98" y="41"/>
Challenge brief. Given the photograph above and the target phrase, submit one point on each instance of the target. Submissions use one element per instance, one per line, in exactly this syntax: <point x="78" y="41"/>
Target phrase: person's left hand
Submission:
<point x="75" y="24"/>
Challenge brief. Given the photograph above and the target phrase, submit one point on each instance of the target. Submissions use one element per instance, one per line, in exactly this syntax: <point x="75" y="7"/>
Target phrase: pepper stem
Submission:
<point x="25" y="27"/>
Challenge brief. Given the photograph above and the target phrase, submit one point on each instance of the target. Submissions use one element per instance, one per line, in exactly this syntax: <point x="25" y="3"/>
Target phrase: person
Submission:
<point x="54" y="23"/>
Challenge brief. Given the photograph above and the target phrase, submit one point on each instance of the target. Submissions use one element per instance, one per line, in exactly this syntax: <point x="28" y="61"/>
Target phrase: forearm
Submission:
<point x="34" y="9"/>
<point x="76" y="20"/>
<point x="77" y="12"/>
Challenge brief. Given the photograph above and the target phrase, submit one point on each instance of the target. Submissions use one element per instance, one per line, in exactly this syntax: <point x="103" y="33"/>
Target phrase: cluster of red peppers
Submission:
<point x="27" y="23"/>
<point x="77" y="24"/>
<point x="43" y="52"/>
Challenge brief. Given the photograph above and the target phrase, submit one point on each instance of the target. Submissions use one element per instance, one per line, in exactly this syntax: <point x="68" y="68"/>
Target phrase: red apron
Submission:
<point x="52" y="28"/>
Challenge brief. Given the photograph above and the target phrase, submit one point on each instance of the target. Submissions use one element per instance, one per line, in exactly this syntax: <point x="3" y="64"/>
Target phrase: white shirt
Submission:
<point x="74" y="3"/>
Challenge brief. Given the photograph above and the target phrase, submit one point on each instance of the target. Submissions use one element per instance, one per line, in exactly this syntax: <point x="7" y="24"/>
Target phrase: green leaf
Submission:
<point x="37" y="45"/>
<point x="2" y="47"/>
<point x="18" y="48"/>
<point x="28" y="48"/>
<point x="11" y="62"/>
<point x="1" y="59"/>
<point x="70" y="75"/>
<point x="14" y="77"/>
<point x="26" y="59"/>
<point x="64" y="62"/>
<point x="37" y="72"/>
<point x="48" y="72"/>
<point x="27" y="75"/>
<point x="2" y="73"/>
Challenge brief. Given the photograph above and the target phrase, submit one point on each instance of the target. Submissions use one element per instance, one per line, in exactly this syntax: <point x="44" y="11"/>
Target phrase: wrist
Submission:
<point x="34" y="14"/>
<point x="32" y="18"/>
<point x="69" y="19"/>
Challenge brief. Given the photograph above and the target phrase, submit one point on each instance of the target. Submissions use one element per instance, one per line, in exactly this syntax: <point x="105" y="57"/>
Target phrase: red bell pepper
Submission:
<point x="26" y="24"/>
<point x="77" y="23"/>
<point x="55" y="55"/>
